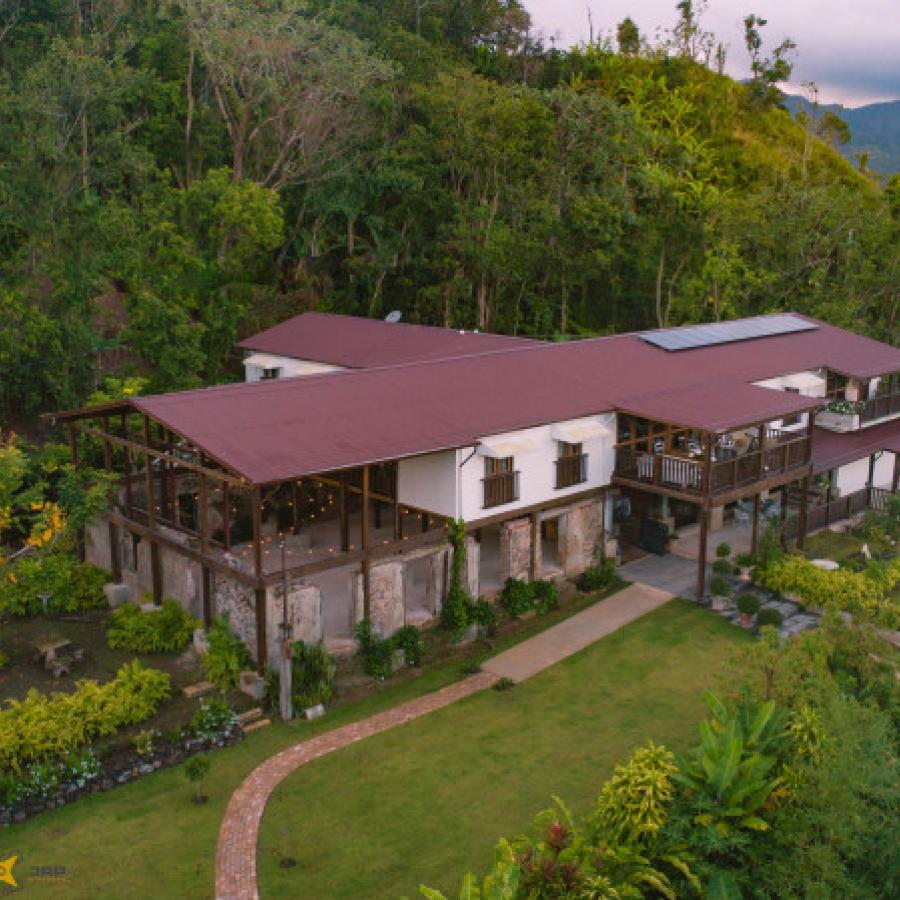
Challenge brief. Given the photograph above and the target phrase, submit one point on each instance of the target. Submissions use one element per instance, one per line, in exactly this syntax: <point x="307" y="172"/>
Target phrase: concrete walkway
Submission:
<point x="576" y="632"/>
<point x="672" y="573"/>
<point x="239" y="833"/>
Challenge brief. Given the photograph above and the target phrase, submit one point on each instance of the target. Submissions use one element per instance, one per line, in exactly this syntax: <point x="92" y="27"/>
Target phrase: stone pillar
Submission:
<point x="515" y="549"/>
<point x="580" y="530"/>
<point x="434" y="580"/>
<point x="304" y="614"/>
<point x="473" y="560"/>
<point x="716" y="518"/>
<point x="386" y="597"/>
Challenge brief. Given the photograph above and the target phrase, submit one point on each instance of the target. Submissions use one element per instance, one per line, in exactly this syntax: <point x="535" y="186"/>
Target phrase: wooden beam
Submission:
<point x="437" y="537"/>
<point x="256" y="516"/>
<point x="216" y="565"/>
<point x="566" y="500"/>
<point x="147" y="448"/>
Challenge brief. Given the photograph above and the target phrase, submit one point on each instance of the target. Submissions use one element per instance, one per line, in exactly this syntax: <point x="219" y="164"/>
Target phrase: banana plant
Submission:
<point x="732" y="774"/>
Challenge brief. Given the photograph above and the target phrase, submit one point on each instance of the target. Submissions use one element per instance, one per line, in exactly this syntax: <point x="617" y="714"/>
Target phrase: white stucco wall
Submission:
<point x="811" y="384"/>
<point x="450" y="482"/>
<point x="854" y="476"/>
<point x="290" y="368"/>
<point x="537" y="470"/>
<point x="429" y="482"/>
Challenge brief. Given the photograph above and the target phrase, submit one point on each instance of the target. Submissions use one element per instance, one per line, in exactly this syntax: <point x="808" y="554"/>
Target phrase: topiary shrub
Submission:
<point x="484" y="615"/>
<point x="744" y="560"/>
<point x="313" y="671"/>
<point x="545" y="596"/>
<point x="226" y="656"/>
<point x="720" y="587"/>
<point x="748" y="604"/>
<point x="722" y="567"/>
<point x="409" y="640"/>
<point x="599" y="576"/>
<point x="517" y="597"/>
<point x="769" y="616"/>
<point x="166" y="630"/>
<point x="723" y="550"/>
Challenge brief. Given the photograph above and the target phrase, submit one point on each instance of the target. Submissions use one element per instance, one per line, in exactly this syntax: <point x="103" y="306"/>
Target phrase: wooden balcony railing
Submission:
<point x="879" y="408"/>
<point x="500" y="488"/>
<point x="571" y="470"/>
<point x="684" y="474"/>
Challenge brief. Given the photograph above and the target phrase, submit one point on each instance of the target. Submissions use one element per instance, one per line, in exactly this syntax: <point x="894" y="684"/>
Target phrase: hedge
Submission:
<point x="68" y="585"/>
<point x="862" y="593"/>
<point x="43" y="727"/>
<point x="165" y="630"/>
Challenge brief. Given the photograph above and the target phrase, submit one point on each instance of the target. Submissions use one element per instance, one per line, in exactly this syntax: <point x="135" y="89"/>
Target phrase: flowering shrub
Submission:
<point x="40" y="780"/>
<point x="213" y="717"/>
<point x="44" y="727"/>
<point x="165" y="630"/>
<point x="861" y="593"/>
<point x="67" y="586"/>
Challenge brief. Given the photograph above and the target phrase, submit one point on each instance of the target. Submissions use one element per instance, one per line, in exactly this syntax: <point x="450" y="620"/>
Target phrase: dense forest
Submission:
<point x="176" y="174"/>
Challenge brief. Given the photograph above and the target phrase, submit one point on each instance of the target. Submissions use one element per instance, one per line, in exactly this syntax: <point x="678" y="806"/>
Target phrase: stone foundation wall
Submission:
<point x="237" y="601"/>
<point x="304" y="615"/>
<point x="515" y="549"/>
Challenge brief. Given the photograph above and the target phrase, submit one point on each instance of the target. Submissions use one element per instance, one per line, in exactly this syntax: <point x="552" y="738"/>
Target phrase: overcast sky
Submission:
<point x="850" y="48"/>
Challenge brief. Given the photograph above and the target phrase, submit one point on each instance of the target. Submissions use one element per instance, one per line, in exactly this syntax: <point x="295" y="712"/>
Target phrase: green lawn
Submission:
<point x="426" y="802"/>
<point x="417" y="804"/>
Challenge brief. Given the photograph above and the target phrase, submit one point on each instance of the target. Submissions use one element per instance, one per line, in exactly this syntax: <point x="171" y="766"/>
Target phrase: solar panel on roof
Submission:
<point x="693" y="336"/>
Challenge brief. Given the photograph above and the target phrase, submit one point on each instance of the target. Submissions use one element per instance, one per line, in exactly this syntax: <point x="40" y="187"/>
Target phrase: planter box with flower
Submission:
<point x="839" y="415"/>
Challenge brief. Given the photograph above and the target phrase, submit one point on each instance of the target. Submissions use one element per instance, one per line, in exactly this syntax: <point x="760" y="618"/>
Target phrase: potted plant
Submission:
<point x="720" y="588"/>
<point x="769" y="616"/>
<point x="744" y="563"/>
<point x="748" y="606"/>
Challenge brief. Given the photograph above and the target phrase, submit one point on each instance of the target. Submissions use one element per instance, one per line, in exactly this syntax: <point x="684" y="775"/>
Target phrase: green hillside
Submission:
<point x="178" y="175"/>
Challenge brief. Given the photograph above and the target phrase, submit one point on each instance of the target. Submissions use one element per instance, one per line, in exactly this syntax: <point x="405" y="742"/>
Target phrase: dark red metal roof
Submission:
<point x="831" y="449"/>
<point x="364" y="343"/>
<point x="277" y="430"/>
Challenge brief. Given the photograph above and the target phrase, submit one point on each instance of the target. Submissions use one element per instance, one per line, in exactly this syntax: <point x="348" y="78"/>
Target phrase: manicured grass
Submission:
<point x="426" y="802"/>
<point x="147" y="839"/>
<point x="834" y="545"/>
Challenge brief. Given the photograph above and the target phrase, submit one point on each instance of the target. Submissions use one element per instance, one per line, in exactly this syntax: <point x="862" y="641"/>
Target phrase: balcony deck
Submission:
<point x="684" y="475"/>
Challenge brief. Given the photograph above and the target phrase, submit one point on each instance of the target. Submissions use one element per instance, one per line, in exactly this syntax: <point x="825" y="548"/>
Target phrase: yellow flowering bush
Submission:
<point x="46" y="726"/>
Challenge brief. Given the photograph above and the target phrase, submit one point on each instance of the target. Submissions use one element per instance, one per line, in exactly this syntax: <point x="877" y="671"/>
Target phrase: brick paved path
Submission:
<point x="236" y="853"/>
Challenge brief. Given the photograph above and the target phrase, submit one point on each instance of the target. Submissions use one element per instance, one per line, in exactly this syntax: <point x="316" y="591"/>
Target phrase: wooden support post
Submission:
<point x="398" y="522"/>
<point x="762" y="452"/>
<point x="783" y="514"/>
<point x="295" y="507"/>
<point x="226" y="516"/>
<point x="426" y="521"/>
<point x="701" y="553"/>
<point x="377" y="506"/>
<point x="260" y="592"/>
<point x="535" y="567"/>
<point x="706" y="485"/>
<point x="895" y="481"/>
<point x="207" y="597"/>
<point x="754" y="534"/>
<point x="107" y="450"/>
<point x="115" y="563"/>
<point x="870" y="482"/>
<point x="364" y="543"/>
<point x="203" y="512"/>
<point x="156" y="574"/>
<point x="73" y="449"/>
<point x="344" y="514"/>
<point x="804" y="504"/>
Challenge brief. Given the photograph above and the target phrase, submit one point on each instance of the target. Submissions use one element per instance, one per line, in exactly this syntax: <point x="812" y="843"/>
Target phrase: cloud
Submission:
<point x="848" y="49"/>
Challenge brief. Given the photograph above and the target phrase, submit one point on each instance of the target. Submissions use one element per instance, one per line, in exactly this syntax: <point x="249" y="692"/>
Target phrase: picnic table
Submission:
<point x="47" y="652"/>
